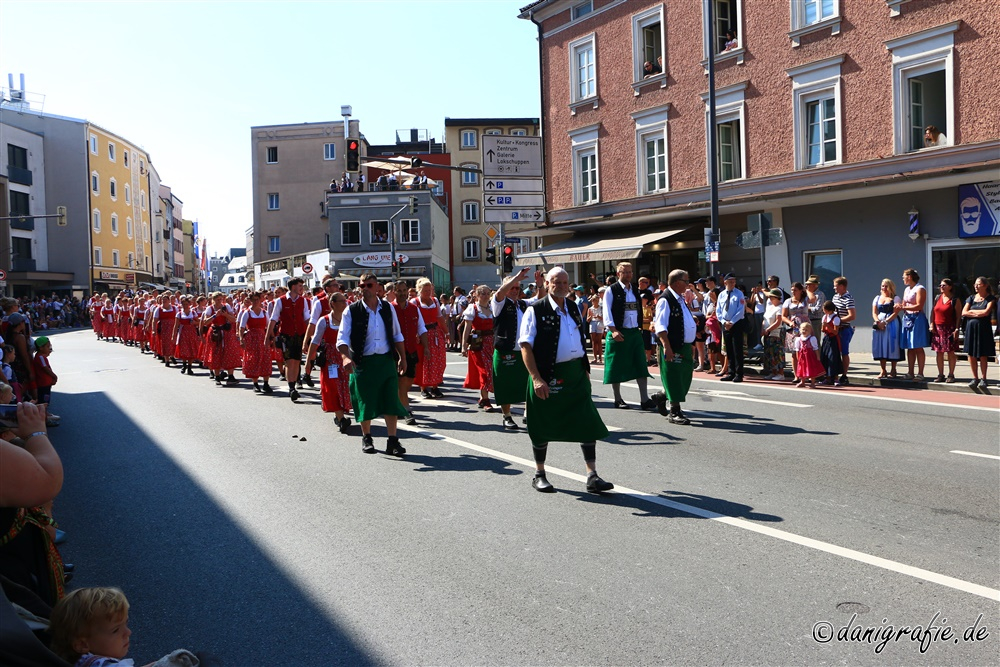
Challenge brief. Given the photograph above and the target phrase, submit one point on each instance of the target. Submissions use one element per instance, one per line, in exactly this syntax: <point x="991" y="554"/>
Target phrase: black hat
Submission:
<point x="729" y="276"/>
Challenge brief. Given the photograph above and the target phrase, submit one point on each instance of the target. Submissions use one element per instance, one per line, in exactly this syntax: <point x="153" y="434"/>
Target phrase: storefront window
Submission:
<point x="964" y="262"/>
<point x="827" y="264"/>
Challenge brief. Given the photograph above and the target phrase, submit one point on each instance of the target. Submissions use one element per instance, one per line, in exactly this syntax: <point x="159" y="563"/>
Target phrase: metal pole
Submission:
<point x="499" y="253"/>
<point x="713" y="166"/>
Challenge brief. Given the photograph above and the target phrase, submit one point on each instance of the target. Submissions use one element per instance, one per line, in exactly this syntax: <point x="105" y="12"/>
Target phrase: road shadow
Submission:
<point x="735" y="422"/>
<point x="633" y="438"/>
<point x="193" y="577"/>
<point x="461" y="463"/>
<point x="649" y="507"/>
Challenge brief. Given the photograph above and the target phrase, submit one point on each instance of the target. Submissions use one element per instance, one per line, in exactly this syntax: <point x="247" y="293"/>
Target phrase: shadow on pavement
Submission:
<point x="193" y="577"/>
<point x="741" y="423"/>
<point x="648" y="508"/>
<point x="461" y="463"/>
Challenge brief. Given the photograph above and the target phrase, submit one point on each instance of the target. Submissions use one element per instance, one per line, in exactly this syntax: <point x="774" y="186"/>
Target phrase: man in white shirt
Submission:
<point x="676" y="329"/>
<point x="624" y="352"/>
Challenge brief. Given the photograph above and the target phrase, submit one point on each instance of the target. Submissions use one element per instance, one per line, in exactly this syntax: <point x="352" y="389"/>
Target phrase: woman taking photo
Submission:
<point x="885" y="331"/>
<point x="979" y="310"/>
<point x="944" y="329"/>
<point x="916" y="330"/>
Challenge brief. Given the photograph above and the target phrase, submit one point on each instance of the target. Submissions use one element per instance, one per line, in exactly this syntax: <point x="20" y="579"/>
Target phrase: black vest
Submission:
<point x="675" y="323"/>
<point x="618" y="304"/>
<point x="505" y="326"/>
<point x="359" y="326"/>
<point x="546" y="344"/>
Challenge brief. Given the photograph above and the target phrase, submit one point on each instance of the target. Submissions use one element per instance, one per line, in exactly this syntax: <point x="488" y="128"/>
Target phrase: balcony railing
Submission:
<point x="18" y="264"/>
<point x="18" y="175"/>
<point x="27" y="223"/>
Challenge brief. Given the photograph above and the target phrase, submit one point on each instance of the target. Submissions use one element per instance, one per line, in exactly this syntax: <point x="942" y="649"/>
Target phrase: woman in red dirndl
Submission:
<point x="479" y="335"/>
<point x="185" y="336"/>
<point x="223" y="345"/>
<point x="165" y="319"/>
<point x="334" y="383"/>
<point x="430" y="370"/>
<point x="97" y="318"/>
<point x="253" y="339"/>
<point x="139" y="312"/>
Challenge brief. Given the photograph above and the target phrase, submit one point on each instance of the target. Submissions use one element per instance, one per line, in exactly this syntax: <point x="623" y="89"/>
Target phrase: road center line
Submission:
<point x="818" y="545"/>
<point x="985" y="456"/>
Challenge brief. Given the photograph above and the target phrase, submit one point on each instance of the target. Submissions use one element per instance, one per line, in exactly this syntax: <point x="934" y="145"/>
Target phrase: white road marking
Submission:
<point x="743" y="524"/>
<point x="985" y="456"/>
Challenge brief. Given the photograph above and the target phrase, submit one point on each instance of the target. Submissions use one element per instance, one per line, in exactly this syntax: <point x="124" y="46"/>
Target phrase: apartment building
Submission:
<point x="463" y="137"/>
<point x="821" y="109"/>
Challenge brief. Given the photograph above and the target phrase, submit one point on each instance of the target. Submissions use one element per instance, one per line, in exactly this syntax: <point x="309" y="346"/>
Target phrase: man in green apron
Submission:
<point x="624" y="352"/>
<point x="560" y="405"/>
<point x="369" y="335"/>
<point x="676" y="328"/>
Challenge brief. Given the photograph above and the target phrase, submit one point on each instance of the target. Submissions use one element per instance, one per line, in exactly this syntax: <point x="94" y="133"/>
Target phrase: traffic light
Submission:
<point x="491" y="255"/>
<point x="61" y="212"/>
<point x="508" y="259"/>
<point x="413" y="205"/>
<point x="353" y="155"/>
<point x="416" y="163"/>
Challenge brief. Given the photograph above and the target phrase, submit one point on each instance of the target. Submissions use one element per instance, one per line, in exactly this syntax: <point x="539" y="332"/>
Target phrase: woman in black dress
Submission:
<point x="979" y="309"/>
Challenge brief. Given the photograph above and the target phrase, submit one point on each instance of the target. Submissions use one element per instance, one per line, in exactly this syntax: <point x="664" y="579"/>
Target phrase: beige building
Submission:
<point x="292" y="167"/>
<point x="469" y="243"/>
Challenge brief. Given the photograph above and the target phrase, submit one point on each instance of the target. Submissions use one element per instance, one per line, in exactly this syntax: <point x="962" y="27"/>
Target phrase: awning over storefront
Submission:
<point x="270" y="276"/>
<point x="595" y="248"/>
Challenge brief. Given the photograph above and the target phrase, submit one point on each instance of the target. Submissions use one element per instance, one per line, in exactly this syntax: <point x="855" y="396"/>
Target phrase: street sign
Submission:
<point x="491" y="232"/>
<point x="513" y="240"/>
<point x="523" y="215"/>
<point x="514" y="185"/>
<point x="713" y="257"/>
<point x="516" y="200"/>
<point x="3" y="274"/>
<point x="505" y="156"/>
<point x="307" y="268"/>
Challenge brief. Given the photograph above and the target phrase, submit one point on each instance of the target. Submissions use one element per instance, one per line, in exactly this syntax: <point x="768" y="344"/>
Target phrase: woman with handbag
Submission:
<point x="885" y="329"/>
<point x="334" y="383"/>
<point x="223" y="346"/>
<point x="253" y="341"/>
<point x="477" y="345"/>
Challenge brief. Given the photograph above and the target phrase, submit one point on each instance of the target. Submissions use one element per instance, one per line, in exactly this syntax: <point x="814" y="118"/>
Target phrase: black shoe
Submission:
<point x="410" y="420"/>
<point x="294" y="395"/>
<point x="720" y="374"/>
<point x="648" y="404"/>
<point x="232" y="381"/>
<point x="678" y="418"/>
<point x="393" y="448"/>
<point x="436" y="393"/>
<point x="844" y="381"/>
<point x="661" y="402"/>
<point x="509" y="423"/>
<point x="728" y="378"/>
<point x="737" y="378"/>
<point x="256" y="387"/>
<point x="189" y="371"/>
<point x="367" y="446"/>
<point x="621" y="405"/>
<point x="267" y="389"/>
<point x="540" y="483"/>
<point x="426" y="393"/>
<point x="308" y="380"/>
<point x="344" y="424"/>
<point x="218" y="380"/>
<point x="597" y="485"/>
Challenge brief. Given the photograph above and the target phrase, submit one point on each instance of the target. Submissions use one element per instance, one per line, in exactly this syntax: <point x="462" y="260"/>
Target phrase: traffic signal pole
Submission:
<point x="713" y="166"/>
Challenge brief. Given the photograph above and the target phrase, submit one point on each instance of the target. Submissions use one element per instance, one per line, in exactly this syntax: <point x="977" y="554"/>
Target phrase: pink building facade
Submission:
<point x="822" y="108"/>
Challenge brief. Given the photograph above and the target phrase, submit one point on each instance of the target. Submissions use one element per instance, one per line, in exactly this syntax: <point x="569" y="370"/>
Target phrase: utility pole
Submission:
<point x="713" y="159"/>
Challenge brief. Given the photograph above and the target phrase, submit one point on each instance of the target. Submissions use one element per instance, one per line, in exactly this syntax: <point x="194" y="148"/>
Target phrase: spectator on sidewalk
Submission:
<point x="944" y="329"/>
<point x="885" y="330"/>
<point x="847" y="312"/>
<point x="979" y="309"/>
<point x="916" y="330"/>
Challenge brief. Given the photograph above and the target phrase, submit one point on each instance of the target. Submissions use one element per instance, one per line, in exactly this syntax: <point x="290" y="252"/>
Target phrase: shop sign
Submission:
<point x="979" y="210"/>
<point x="130" y="278"/>
<point x="374" y="260"/>
<point x="109" y="275"/>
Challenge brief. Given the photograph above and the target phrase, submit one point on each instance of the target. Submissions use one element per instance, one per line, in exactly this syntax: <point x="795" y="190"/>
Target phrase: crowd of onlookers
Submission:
<point x="53" y="312"/>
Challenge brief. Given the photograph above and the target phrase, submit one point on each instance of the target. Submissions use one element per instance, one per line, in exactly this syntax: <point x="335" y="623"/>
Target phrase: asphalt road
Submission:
<point x="245" y="526"/>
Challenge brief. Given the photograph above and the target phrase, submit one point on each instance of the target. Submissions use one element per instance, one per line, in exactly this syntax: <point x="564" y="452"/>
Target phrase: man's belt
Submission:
<point x="631" y="305"/>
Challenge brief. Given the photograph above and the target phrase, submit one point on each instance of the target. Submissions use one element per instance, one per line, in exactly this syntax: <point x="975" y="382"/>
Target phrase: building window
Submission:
<point x="493" y="130"/>
<point x="272" y="154"/>
<point x="655" y="162"/>
<point x="378" y="231"/>
<point x="469" y="139"/>
<point x="518" y="132"/>
<point x="730" y="131"/>
<point x="409" y="231"/>
<point x="128" y="227"/>
<point x="125" y="158"/>
<point x="98" y="257"/>
<point x="17" y="156"/>
<point x="145" y="232"/>
<point x="812" y="15"/>
<point x="350" y="232"/>
<point x="647" y="40"/>
<point x="142" y="197"/>
<point x="95" y="183"/>
<point x="115" y="258"/>
<point x="93" y="144"/>
<point x="585" y="174"/>
<point x="113" y="189"/>
<point x="470" y="249"/>
<point x="329" y="152"/>
<point x="583" y="69"/>
<point x="816" y="92"/>
<point x="728" y="150"/>
<point x="128" y="196"/>
<point x="582" y="9"/>
<point x="111" y="151"/>
<point x="273" y="244"/>
<point x="728" y="19"/>
<point x="470" y="177"/>
<point x="97" y="220"/>
<point x="923" y="89"/>
<point x="272" y="201"/>
<point x="114" y="224"/>
<point x="470" y="211"/>
<point x="651" y="149"/>
<point x="131" y="260"/>
<point x="827" y="264"/>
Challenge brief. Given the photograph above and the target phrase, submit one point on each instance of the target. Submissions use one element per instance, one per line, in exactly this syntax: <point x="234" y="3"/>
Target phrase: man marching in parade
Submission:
<point x="292" y="312"/>
<point x="676" y="328"/>
<point x="624" y="352"/>
<point x="371" y="344"/>
<point x="560" y="406"/>
<point x="510" y="377"/>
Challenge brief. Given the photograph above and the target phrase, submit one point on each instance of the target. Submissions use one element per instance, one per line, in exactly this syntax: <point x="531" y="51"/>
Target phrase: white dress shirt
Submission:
<point x="662" y="317"/>
<point x="570" y="346"/>
<point x="631" y="318"/>
<point x="376" y="341"/>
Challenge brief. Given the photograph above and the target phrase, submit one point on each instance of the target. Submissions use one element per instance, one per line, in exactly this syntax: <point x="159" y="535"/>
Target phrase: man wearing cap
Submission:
<point x="731" y="312"/>
<point x="624" y="356"/>
<point x="675" y="327"/>
<point x="560" y="405"/>
<point x="816" y="299"/>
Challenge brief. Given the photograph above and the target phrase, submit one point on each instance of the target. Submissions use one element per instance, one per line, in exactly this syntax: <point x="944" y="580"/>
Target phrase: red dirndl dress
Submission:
<point x="256" y="355"/>
<point x="109" y="322"/>
<point x="480" y="373"/>
<point x="121" y="323"/>
<point x="335" y="392"/>
<point x="97" y="320"/>
<point x="224" y="355"/>
<point x="187" y="337"/>
<point x="139" y="325"/>
<point x="430" y="372"/>
<point x="809" y="365"/>
<point x="166" y="326"/>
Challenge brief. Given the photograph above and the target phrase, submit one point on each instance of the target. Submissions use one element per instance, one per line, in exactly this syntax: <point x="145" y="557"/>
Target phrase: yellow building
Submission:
<point x="121" y="250"/>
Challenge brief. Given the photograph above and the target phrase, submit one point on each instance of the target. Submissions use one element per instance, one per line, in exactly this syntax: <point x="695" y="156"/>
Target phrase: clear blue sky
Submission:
<point x="187" y="80"/>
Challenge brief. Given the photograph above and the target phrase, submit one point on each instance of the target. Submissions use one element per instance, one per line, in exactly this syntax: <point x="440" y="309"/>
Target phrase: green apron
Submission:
<point x="626" y="360"/>
<point x="676" y="376"/>
<point x="375" y="388"/>
<point x="568" y="414"/>
<point x="509" y="377"/>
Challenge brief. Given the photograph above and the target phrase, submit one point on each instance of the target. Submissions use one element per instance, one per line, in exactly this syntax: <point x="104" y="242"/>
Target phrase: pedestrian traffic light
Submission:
<point x="416" y="163"/>
<point x="491" y="255"/>
<point x="413" y="205"/>
<point x="353" y="155"/>
<point x="61" y="212"/>
<point x="508" y="259"/>
<point x="395" y="265"/>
